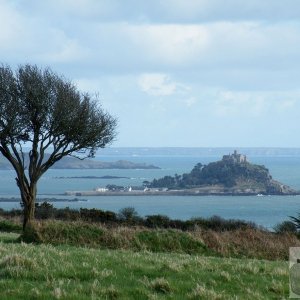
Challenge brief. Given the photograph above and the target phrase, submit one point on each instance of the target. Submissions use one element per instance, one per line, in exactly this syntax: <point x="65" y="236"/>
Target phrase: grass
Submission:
<point x="45" y="271"/>
<point x="169" y="241"/>
<point x="239" y="243"/>
<point x="9" y="226"/>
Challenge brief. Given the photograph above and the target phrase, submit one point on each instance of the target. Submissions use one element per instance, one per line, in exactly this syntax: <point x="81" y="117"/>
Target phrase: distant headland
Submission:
<point x="75" y="163"/>
<point x="232" y="175"/>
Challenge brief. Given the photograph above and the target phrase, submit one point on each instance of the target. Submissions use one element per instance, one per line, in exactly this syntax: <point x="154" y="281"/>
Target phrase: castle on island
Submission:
<point x="235" y="158"/>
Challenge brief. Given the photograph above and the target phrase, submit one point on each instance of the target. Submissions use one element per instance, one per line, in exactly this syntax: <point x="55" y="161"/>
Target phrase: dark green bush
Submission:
<point x="217" y="223"/>
<point x="44" y="210"/>
<point x="129" y="216"/>
<point x="157" y="221"/>
<point x="97" y="215"/>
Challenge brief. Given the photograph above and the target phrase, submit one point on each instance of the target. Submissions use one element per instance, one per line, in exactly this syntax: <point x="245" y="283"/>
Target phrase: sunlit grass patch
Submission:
<point x="158" y="285"/>
<point x="202" y="292"/>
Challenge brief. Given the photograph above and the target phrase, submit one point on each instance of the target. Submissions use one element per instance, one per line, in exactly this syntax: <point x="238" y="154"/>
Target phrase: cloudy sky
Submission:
<point x="197" y="73"/>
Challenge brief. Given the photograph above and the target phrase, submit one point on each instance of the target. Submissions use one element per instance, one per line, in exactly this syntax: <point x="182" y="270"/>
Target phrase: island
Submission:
<point x="232" y="175"/>
<point x="75" y="163"/>
<point x="92" y="177"/>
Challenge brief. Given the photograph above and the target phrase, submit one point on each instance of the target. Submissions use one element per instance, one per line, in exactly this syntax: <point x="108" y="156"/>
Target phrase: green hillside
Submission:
<point x="66" y="272"/>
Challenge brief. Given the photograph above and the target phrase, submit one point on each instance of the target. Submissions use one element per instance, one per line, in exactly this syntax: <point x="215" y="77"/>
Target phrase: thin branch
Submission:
<point x="16" y="153"/>
<point x="22" y="154"/>
<point x="22" y="179"/>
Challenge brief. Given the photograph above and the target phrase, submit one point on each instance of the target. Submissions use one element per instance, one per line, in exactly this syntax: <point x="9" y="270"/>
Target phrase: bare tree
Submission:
<point x="46" y="112"/>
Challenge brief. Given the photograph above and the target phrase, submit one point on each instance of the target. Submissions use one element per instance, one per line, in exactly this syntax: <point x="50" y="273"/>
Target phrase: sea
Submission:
<point x="266" y="211"/>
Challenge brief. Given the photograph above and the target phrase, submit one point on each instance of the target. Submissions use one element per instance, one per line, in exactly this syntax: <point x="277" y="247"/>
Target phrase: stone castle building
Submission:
<point x="235" y="158"/>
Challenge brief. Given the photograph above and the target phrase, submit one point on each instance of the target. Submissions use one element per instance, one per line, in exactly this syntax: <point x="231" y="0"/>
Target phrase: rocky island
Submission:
<point x="232" y="175"/>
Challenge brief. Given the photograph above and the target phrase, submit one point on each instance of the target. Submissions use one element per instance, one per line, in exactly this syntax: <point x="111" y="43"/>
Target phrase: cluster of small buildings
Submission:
<point x="128" y="189"/>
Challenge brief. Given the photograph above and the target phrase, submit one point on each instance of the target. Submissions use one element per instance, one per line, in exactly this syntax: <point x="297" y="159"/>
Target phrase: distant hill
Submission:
<point x="75" y="163"/>
<point x="233" y="174"/>
<point x="198" y="151"/>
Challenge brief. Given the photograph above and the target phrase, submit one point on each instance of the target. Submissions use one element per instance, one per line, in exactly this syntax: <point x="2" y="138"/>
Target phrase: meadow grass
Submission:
<point x="46" y="271"/>
<point x="239" y="243"/>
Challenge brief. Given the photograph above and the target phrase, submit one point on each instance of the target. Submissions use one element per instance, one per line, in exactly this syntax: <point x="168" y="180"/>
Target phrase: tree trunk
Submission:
<point x="28" y="213"/>
<point x="29" y="205"/>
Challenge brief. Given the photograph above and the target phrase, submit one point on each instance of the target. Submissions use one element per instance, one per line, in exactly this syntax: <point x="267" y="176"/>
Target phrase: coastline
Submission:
<point x="41" y="200"/>
<point x="176" y="193"/>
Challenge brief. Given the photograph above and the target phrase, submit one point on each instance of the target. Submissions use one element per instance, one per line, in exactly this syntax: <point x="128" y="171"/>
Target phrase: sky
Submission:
<point x="175" y="73"/>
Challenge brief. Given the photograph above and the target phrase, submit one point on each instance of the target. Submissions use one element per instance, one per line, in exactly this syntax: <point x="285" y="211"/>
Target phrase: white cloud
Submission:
<point x="158" y="84"/>
<point x="12" y="26"/>
<point x="187" y="9"/>
<point x="170" y="11"/>
<point x="214" y="10"/>
<point x="287" y="104"/>
<point x="26" y="38"/>
<point x="63" y="48"/>
<point x="148" y="47"/>
<point x="196" y="61"/>
<point x="213" y="46"/>
<point x="173" y="44"/>
<point x="190" y="101"/>
<point x="254" y="104"/>
<point x="74" y="10"/>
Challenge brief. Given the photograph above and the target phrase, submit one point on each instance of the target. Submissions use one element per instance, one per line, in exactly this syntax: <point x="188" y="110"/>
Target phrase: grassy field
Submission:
<point x="67" y="272"/>
<point x="240" y="243"/>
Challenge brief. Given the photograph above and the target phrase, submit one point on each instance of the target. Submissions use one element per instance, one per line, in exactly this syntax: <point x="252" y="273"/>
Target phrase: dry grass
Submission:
<point x="202" y="292"/>
<point x="158" y="285"/>
<point x="251" y="243"/>
<point x="248" y="243"/>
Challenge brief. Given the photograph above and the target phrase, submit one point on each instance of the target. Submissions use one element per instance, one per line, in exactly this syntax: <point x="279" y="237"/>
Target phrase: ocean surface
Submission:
<point x="266" y="211"/>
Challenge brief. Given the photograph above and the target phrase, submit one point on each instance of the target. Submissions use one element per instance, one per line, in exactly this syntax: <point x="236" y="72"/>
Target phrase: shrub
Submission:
<point x="74" y="233"/>
<point x="162" y="221"/>
<point x="296" y="221"/>
<point x="97" y="215"/>
<point x="286" y="226"/>
<point x="67" y="214"/>
<point x="44" y="210"/>
<point x="129" y="215"/>
<point x="159" y="221"/>
<point x="219" y="224"/>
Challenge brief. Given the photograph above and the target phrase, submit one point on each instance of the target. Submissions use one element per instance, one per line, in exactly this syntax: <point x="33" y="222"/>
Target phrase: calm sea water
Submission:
<point x="266" y="211"/>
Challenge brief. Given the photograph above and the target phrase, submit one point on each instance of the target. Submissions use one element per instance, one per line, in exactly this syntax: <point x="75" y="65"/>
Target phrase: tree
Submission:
<point x="128" y="214"/>
<point x="45" y="112"/>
